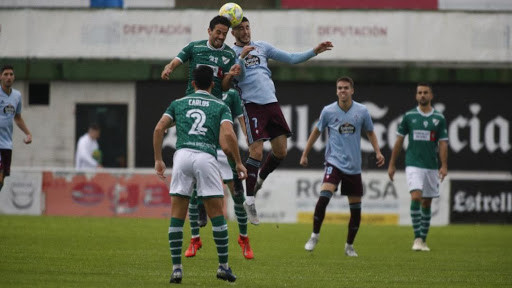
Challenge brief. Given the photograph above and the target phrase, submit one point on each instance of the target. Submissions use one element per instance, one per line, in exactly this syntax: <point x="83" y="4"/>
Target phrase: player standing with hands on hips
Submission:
<point x="344" y="120"/>
<point x="428" y="135"/>
<point x="263" y="116"/>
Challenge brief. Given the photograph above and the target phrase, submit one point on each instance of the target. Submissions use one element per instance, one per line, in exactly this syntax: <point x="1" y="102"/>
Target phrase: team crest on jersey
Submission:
<point x="225" y="60"/>
<point x="251" y="61"/>
<point x="435" y="121"/>
<point x="347" y="128"/>
<point x="425" y="123"/>
<point x="9" y="109"/>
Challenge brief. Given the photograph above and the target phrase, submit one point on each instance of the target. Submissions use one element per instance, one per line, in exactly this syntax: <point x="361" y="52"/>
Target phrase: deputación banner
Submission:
<point x="359" y="36"/>
<point x="358" y="4"/>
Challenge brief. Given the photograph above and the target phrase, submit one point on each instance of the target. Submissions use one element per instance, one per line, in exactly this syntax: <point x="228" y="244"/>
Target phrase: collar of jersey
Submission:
<point x="425" y="114"/>
<point x="213" y="48"/>
<point x="203" y="92"/>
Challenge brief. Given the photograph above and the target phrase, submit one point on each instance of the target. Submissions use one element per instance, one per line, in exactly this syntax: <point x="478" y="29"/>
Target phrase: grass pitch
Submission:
<point x="122" y="252"/>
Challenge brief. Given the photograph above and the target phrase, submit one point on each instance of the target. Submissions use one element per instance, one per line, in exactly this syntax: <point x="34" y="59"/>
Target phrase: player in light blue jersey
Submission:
<point x="10" y="105"/>
<point x="263" y="116"/>
<point x="344" y="120"/>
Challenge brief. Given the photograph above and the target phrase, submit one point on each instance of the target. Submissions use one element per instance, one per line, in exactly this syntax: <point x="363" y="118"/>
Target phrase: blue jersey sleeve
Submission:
<point x="286" y="57"/>
<point x="323" y="121"/>
<point x="368" y="123"/>
<point x="18" y="107"/>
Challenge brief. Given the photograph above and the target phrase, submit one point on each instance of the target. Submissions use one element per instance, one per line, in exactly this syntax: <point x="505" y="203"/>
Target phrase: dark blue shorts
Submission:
<point x="5" y="161"/>
<point x="265" y="122"/>
<point x="351" y="185"/>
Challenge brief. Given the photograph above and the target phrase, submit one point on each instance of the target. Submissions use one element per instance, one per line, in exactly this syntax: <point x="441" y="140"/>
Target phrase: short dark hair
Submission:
<point x="7" y="67"/>
<point x="244" y="19"/>
<point x="426" y="85"/>
<point x="346" y="79"/>
<point x="219" y="20"/>
<point x="94" y="126"/>
<point x="203" y="76"/>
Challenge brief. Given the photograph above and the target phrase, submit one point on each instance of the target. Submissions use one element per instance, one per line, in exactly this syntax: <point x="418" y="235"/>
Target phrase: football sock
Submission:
<point x="220" y="236"/>
<point x="270" y="165"/>
<point x="179" y="266"/>
<point x="425" y="222"/>
<point x="238" y="185"/>
<point x="355" y="220"/>
<point x="252" y="166"/>
<point x="321" y="205"/>
<point x="250" y="200"/>
<point x="241" y="215"/>
<point x="176" y="239"/>
<point x="193" y="215"/>
<point x="416" y="218"/>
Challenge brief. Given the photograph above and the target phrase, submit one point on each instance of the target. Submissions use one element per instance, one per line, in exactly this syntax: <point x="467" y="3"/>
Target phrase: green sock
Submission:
<point x="220" y="236"/>
<point x="241" y="215"/>
<point x="425" y="222"/>
<point x="193" y="215"/>
<point x="176" y="239"/>
<point x="416" y="218"/>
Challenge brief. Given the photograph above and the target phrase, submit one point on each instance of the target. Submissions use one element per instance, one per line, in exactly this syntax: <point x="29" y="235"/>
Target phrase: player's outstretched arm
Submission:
<point x="394" y="155"/>
<point x="311" y="140"/>
<point x="322" y="47"/>
<point x="228" y="77"/>
<point x="169" y="68"/>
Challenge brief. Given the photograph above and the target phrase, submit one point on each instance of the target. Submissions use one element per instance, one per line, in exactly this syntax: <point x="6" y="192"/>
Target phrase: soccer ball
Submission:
<point x="233" y="12"/>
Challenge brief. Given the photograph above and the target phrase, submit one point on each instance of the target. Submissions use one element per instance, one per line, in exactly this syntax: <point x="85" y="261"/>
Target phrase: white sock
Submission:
<point x="250" y="200"/>
<point x="177" y="266"/>
<point x="224" y="265"/>
<point x="315" y="235"/>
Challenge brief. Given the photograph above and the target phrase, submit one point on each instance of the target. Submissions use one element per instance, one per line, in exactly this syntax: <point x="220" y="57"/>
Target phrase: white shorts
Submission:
<point x="425" y="180"/>
<point x="225" y="169"/>
<point x="195" y="167"/>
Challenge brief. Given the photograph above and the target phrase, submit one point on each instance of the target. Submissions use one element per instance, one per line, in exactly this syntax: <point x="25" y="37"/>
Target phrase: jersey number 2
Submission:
<point x="199" y="120"/>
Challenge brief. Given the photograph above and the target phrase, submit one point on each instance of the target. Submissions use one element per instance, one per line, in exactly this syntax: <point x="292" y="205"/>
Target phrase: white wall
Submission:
<point x="53" y="126"/>
<point x="358" y="36"/>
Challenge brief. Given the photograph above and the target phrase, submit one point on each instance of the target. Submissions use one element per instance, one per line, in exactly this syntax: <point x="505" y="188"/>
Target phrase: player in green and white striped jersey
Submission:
<point x="201" y="121"/>
<point x="428" y="135"/>
<point x="211" y="52"/>
<point x="232" y="99"/>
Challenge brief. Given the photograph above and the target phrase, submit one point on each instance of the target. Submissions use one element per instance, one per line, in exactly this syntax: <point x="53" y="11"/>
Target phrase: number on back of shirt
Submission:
<point x="199" y="120"/>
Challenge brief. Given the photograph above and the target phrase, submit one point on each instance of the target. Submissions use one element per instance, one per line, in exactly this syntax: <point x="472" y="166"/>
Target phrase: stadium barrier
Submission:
<point x="287" y="196"/>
